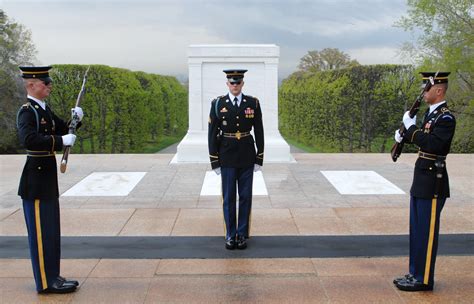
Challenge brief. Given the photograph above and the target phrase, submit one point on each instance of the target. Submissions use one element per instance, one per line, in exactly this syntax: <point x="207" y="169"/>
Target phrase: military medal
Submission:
<point x="43" y="122"/>
<point x="249" y="113"/>
<point x="427" y="127"/>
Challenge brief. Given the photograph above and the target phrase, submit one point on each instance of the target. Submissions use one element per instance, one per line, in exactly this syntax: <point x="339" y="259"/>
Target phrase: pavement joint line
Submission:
<point x="175" y="221"/>
<point x="128" y="220"/>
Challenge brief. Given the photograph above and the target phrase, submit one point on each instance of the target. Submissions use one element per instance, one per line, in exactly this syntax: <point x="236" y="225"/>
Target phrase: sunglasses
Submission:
<point x="236" y="82"/>
<point x="47" y="81"/>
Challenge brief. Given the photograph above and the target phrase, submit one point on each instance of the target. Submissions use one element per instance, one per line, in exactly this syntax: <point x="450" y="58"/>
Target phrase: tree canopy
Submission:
<point x="16" y="48"/>
<point x="445" y="41"/>
<point x="326" y="59"/>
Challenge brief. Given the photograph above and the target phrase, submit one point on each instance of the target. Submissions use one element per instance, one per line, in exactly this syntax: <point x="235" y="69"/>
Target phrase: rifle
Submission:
<point x="74" y="122"/>
<point x="398" y="146"/>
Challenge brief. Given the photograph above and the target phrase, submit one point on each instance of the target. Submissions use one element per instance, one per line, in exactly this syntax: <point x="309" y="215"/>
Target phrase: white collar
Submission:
<point x="40" y="102"/>
<point x="239" y="97"/>
<point x="434" y="106"/>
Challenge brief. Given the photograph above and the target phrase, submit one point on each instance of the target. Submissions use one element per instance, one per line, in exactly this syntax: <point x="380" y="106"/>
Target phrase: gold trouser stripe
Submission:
<point x="223" y="216"/>
<point x="39" y="240"/>
<point x="430" y="241"/>
<point x="250" y="221"/>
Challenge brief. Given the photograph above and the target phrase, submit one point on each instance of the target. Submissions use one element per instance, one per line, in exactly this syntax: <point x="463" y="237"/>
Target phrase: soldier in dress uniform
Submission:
<point x="232" y="154"/>
<point x="42" y="133"/>
<point x="430" y="186"/>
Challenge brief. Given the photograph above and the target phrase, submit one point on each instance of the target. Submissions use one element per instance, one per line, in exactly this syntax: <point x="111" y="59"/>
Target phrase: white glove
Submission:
<point x="398" y="137"/>
<point x="218" y="171"/>
<point x="408" y="121"/>
<point x="78" y="111"/>
<point x="69" y="139"/>
<point x="257" y="168"/>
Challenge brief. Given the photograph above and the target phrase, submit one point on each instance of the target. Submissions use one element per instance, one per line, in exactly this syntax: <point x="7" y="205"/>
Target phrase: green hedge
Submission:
<point x="124" y="111"/>
<point x="348" y="110"/>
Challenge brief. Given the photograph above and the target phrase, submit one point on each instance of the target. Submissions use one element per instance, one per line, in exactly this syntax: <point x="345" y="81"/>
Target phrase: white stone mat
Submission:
<point x="212" y="184"/>
<point x="360" y="182"/>
<point x="106" y="184"/>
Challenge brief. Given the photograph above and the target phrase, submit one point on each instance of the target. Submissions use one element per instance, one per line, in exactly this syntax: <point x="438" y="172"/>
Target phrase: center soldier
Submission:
<point x="233" y="156"/>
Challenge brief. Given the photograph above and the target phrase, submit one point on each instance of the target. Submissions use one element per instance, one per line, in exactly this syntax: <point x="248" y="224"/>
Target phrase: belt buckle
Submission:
<point x="237" y="135"/>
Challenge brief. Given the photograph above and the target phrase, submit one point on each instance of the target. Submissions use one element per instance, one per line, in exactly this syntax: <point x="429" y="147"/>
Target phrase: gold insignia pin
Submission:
<point x="224" y="110"/>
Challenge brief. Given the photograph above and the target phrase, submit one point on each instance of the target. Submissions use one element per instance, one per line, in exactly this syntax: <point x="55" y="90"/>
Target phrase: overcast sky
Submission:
<point x="153" y="36"/>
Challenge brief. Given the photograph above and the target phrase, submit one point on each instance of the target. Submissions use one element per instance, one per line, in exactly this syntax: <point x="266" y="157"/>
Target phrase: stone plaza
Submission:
<point x="313" y="239"/>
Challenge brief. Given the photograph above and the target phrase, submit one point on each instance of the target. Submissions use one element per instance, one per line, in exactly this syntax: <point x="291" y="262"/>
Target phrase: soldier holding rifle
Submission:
<point x="42" y="133"/>
<point x="430" y="186"/>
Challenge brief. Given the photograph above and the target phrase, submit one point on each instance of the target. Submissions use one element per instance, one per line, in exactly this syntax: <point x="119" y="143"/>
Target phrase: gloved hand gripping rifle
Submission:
<point x="74" y="122"/>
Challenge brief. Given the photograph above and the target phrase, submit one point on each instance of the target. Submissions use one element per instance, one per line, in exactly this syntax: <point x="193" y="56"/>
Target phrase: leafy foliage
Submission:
<point x="326" y="59"/>
<point x="124" y="111"/>
<point x="445" y="42"/>
<point x="16" y="48"/>
<point x="348" y="110"/>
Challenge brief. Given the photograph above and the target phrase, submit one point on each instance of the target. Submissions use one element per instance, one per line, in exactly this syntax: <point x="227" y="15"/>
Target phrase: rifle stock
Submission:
<point x="73" y="124"/>
<point x="397" y="147"/>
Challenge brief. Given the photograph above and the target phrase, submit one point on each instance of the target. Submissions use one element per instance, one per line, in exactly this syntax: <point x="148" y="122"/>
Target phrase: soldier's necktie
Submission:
<point x="236" y="100"/>
<point x="427" y="113"/>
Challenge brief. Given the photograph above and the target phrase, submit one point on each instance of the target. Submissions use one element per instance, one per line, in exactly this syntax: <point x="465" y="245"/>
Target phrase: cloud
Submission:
<point x="154" y="35"/>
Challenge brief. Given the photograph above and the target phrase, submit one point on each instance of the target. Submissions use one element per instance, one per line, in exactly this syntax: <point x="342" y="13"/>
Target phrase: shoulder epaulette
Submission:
<point x="444" y="113"/>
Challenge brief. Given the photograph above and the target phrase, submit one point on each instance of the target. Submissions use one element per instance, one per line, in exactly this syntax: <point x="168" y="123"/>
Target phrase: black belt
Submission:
<point x="237" y="135"/>
<point x="39" y="153"/>
<point x="430" y="156"/>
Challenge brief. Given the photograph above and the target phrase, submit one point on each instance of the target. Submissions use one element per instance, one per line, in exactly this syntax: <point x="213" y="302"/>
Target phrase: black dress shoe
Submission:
<point x="73" y="282"/>
<point x="59" y="287"/>
<point x="407" y="277"/>
<point x="230" y="244"/>
<point x="413" y="285"/>
<point x="241" y="243"/>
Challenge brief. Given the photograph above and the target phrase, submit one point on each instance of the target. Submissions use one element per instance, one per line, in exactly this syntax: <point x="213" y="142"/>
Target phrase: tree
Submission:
<point x="16" y="48"/>
<point x="327" y="59"/>
<point x="446" y="42"/>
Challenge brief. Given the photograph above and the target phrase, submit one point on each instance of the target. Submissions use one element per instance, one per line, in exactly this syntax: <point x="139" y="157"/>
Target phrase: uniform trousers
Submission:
<point x="424" y="232"/>
<point x="233" y="179"/>
<point x="44" y="237"/>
